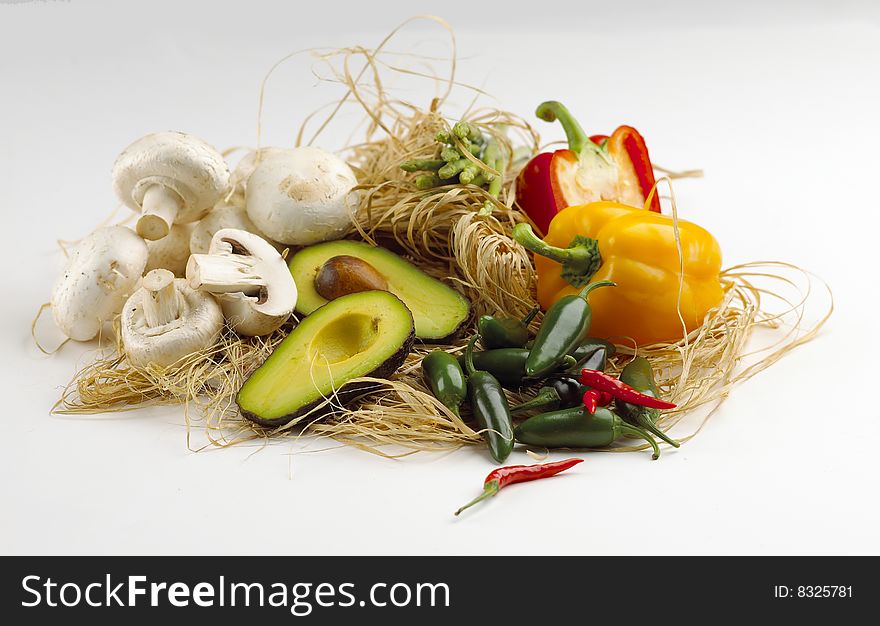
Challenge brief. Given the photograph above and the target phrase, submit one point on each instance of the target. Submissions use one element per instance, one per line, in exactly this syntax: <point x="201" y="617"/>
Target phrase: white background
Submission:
<point x="777" y="102"/>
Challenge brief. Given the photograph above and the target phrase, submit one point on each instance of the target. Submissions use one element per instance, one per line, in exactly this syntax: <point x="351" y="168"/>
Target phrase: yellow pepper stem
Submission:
<point x="580" y="260"/>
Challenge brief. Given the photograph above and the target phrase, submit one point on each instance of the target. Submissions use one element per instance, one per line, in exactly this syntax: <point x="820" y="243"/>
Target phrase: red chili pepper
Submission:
<point x="620" y="390"/>
<point x="593" y="399"/>
<point x="615" y="167"/>
<point x="511" y="474"/>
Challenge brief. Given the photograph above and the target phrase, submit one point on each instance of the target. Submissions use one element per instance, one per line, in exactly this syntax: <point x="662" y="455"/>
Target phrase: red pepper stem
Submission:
<point x="552" y="111"/>
<point x="489" y="489"/>
<point x="626" y="429"/>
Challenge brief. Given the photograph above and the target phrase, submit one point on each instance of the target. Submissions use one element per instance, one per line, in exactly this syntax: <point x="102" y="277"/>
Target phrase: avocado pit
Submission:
<point x="345" y="274"/>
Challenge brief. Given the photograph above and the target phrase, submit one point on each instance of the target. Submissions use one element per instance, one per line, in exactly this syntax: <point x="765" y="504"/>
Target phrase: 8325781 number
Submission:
<point x="824" y="591"/>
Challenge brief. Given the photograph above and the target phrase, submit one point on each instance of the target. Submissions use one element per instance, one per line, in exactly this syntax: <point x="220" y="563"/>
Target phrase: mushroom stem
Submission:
<point x="162" y="304"/>
<point x="159" y="211"/>
<point x="225" y="273"/>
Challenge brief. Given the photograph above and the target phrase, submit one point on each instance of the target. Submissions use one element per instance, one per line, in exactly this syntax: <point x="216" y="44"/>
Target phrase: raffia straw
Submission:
<point x="441" y="231"/>
<point x="677" y="174"/>
<point x="43" y="308"/>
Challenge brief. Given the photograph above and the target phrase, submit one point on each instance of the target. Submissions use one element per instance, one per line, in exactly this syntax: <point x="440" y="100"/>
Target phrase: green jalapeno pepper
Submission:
<point x="639" y="375"/>
<point x="508" y="365"/>
<point x="489" y="406"/>
<point x="505" y="332"/>
<point x="565" y="325"/>
<point x="444" y="376"/>
<point x="575" y="428"/>
<point x="561" y="393"/>
<point x="593" y="354"/>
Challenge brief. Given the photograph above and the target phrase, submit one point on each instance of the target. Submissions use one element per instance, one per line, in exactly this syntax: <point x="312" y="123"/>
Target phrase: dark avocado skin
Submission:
<point x="345" y="394"/>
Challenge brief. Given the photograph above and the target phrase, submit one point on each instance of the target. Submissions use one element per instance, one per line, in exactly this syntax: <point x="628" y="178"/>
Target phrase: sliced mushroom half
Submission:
<point x="249" y="278"/>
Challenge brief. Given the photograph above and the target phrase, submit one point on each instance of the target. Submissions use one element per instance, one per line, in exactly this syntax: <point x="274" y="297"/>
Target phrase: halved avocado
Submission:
<point x="362" y="334"/>
<point x="439" y="311"/>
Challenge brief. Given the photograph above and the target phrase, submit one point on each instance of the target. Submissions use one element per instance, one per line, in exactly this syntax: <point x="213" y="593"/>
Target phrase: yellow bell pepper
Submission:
<point x="637" y="250"/>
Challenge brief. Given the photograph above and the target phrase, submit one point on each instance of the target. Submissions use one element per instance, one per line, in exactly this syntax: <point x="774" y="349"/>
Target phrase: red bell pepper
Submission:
<point x="591" y="168"/>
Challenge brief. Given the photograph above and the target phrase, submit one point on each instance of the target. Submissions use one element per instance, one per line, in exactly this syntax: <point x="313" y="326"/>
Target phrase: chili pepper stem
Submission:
<point x="530" y="315"/>
<point x="469" y="356"/>
<point x="538" y="402"/>
<point x="602" y="283"/>
<point x="581" y="258"/>
<point x="567" y="362"/>
<point x="651" y="427"/>
<point x="489" y="489"/>
<point x="626" y="429"/>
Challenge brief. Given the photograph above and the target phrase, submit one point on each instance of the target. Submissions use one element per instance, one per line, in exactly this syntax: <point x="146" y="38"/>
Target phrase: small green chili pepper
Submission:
<point x="445" y="377"/>
<point x="575" y="428"/>
<point x="587" y="353"/>
<point x="565" y="325"/>
<point x="561" y="393"/>
<point x="639" y="375"/>
<point x="593" y="353"/>
<point x="508" y="365"/>
<point x="489" y="406"/>
<point x="505" y="332"/>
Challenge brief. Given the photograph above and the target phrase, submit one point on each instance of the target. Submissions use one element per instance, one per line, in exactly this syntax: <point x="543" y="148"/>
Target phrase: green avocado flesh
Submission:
<point x="439" y="311"/>
<point x="369" y="333"/>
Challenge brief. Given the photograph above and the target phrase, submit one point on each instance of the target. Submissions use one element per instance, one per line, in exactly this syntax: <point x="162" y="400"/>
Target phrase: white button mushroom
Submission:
<point x="242" y="172"/>
<point x="301" y="196"/>
<point x="250" y="279"/>
<point x="165" y="321"/>
<point x="219" y="218"/>
<point x="169" y="178"/>
<point x="101" y="272"/>
<point x="172" y="251"/>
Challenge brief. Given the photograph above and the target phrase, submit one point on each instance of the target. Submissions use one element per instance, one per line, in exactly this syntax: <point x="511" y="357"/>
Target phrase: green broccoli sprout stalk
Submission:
<point x="462" y="150"/>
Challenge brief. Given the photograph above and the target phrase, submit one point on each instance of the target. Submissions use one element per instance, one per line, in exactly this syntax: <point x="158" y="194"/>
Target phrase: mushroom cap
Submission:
<point x="249" y="316"/>
<point x="100" y="273"/>
<point x="220" y="217"/>
<point x="243" y="170"/>
<point x="197" y="328"/>
<point x="172" y="251"/>
<point x="190" y="167"/>
<point x="301" y="196"/>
